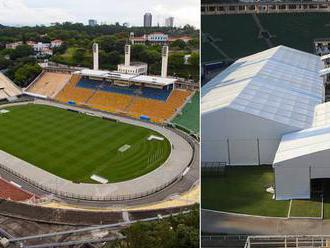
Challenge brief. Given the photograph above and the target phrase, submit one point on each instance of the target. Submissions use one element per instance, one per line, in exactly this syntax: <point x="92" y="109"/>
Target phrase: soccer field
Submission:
<point x="76" y="146"/>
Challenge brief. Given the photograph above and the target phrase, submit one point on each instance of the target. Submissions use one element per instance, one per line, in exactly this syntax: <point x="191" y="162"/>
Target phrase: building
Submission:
<point x="136" y="68"/>
<point x="13" y="45"/>
<point x="147" y="20"/>
<point x="169" y="22"/>
<point x="56" y="43"/>
<point x="92" y="22"/>
<point x="247" y="108"/>
<point x="157" y="38"/>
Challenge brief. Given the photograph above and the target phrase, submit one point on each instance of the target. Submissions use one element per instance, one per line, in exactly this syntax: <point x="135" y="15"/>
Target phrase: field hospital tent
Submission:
<point x="248" y="107"/>
<point x="303" y="156"/>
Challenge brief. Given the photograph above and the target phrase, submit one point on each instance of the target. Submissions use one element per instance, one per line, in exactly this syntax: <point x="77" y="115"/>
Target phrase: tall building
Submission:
<point x="92" y="22"/>
<point x="169" y="22"/>
<point x="147" y="20"/>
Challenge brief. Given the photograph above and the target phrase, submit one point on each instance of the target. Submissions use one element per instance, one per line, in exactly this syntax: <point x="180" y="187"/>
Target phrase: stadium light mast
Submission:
<point x="164" y="61"/>
<point x="127" y="55"/>
<point x="95" y="56"/>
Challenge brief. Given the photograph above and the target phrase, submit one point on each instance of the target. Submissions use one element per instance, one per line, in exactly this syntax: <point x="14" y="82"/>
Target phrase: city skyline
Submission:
<point x="33" y="12"/>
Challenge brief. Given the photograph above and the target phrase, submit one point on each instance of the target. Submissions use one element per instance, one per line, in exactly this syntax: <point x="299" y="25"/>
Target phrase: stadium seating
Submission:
<point x="158" y="111"/>
<point x="156" y="104"/>
<point x="7" y="88"/>
<point x="152" y="93"/>
<point x="49" y="83"/>
<point x="10" y="192"/>
<point x="74" y="94"/>
<point x="110" y="102"/>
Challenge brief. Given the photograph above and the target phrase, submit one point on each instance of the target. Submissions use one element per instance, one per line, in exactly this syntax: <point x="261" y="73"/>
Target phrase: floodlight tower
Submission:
<point x="95" y="56"/>
<point x="164" y="61"/>
<point x="127" y="55"/>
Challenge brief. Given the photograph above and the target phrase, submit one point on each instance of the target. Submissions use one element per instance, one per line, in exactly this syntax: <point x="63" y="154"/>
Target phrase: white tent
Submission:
<point x="247" y="108"/>
<point x="301" y="156"/>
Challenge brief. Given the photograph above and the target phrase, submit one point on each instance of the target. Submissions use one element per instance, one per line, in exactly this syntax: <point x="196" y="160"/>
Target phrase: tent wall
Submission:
<point x="292" y="176"/>
<point x="239" y="138"/>
<point x="292" y="183"/>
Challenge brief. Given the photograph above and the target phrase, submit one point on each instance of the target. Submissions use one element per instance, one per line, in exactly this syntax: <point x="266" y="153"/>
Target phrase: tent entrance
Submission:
<point x="320" y="187"/>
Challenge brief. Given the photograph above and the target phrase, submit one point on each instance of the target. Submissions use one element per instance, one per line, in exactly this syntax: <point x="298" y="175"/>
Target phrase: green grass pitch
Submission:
<point x="75" y="146"/>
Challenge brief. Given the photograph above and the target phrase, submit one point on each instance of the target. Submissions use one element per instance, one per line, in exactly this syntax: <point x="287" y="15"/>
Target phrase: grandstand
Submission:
<point x="189" y="118"/>
<point x="238" y="35"/>
<point x="8" y="89"/>
<point x="131" y="100"/>
<point x="48" y="83"/>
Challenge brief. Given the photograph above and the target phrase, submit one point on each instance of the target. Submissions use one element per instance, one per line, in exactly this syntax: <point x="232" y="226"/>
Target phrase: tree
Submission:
<point x="21" y="51"/>
<point x="176" y="60"/>
<point x="78" y="55"/>
<point x="26" y="73"/>
<point x="4" y="63"/>
<point x="179" y="44"/>
<point x="194" y="60"/>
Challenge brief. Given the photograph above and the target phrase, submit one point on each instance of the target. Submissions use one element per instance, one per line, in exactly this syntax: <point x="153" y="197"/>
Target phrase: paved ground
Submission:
<point x="180" y="186"/>
<point x="226" y="223"/>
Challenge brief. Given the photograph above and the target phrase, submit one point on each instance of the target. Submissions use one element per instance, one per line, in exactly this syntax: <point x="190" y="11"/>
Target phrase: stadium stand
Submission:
<point x="131" y="101"/>
<point x="73" y="94"/>
<point x="189" y="117"/>
<point x="158" y="111"/>
<point x="7" y="88"/>
<point x="9" y="191"/>
<point x="297" y="30"/>
<point x="49" y="83"/>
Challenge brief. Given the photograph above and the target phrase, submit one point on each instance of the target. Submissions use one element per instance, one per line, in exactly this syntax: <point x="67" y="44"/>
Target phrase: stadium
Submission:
<point x="119" y="143"/>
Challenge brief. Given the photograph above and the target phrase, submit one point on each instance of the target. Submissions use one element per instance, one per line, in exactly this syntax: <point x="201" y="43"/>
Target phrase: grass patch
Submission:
<point x="306" y="208"/>
<point x="242" y="190"/>
<point x="75" y="146"/>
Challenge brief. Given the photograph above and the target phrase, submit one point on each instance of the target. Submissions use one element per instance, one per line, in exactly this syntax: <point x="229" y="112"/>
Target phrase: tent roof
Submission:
<point x="281" y="84"/>
<point x="322" y="115"/>
<point x="302" y="143"/>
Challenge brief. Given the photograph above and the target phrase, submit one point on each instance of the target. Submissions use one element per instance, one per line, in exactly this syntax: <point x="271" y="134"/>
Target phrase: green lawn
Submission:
<point x="242" y="190"/>
<point x="75" y="146"/>
<point x="190" y="115"/>
<point x="306" y="208"/>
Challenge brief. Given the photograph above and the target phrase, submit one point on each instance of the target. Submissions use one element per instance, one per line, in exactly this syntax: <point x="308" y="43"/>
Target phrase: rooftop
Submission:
<point x="281" y="84"/>
<point x="156" y="80"/>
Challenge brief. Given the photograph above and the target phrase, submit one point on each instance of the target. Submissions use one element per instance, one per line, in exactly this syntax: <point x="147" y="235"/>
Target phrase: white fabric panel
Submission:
<point x="215" y="151"/>
<point x="267" y="149"/>
<point x="320" y="172"/>
<point x="243" y="152"/>
<point x="292" y="183"/>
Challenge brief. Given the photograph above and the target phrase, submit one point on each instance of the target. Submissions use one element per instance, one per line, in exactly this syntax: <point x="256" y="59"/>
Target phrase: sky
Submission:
<point x="38" y="12"/>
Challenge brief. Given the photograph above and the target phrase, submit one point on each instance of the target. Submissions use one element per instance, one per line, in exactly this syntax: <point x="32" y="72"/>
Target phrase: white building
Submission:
<point x="303" y="156"/>
<point x="247" y="108"/>
<point x="137" y="68"/>
<point x="56" y="43"/>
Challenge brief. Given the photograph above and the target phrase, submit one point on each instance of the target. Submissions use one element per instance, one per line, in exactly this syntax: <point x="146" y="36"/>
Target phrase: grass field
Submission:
<point x="306" y="208"/>
<point x="190" y="115"/>
<point x="242" y="190"/>
<point x="75" y="146"/>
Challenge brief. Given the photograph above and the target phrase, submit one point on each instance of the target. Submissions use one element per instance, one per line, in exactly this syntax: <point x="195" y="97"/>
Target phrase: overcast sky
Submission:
<point x="32" y="12"/>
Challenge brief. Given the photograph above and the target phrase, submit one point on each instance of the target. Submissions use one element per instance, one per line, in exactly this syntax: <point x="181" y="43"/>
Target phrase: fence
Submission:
<point x="288" y="241"/>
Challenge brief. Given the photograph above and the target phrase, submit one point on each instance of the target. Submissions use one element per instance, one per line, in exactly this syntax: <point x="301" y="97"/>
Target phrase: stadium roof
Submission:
<point x="156" y="80"/>
<point x="281" y="84"/>
<point x="302" y="143"/>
